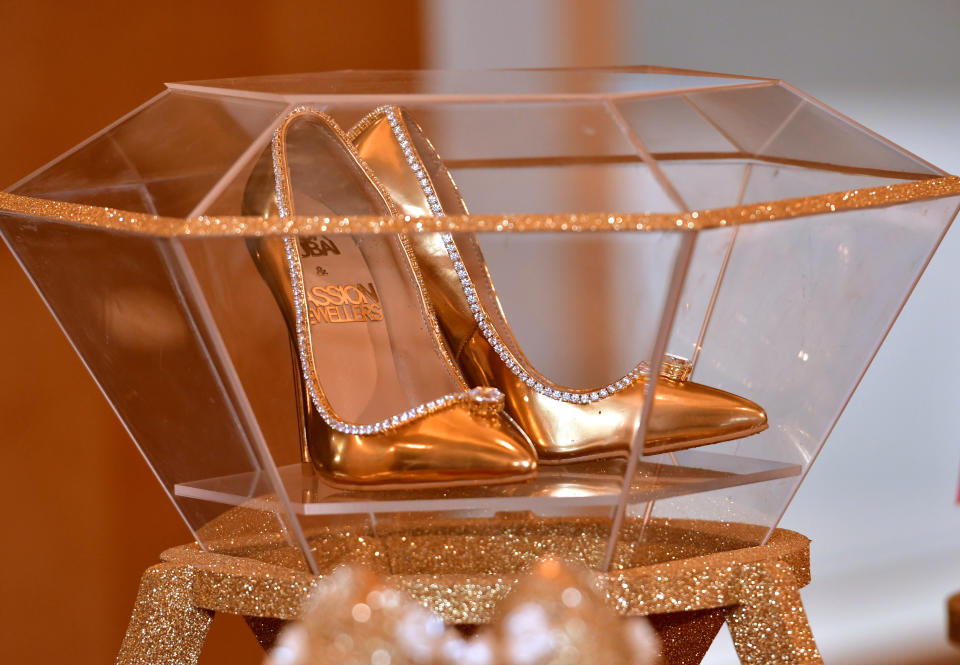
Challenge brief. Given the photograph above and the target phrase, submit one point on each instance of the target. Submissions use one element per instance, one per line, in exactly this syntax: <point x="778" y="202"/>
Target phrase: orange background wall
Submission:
<point x="83" y="516"/>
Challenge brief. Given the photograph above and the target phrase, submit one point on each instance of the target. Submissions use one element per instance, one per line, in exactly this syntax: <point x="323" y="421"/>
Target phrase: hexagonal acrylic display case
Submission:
<point x="622" y="215"/>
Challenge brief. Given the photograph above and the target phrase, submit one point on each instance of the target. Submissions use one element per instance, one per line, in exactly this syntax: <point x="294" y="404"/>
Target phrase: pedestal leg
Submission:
<point x="769" y="624"/>
<point x="165" y="628"/>
<point x="265" y="630"/>
<point x="685" y="637"/>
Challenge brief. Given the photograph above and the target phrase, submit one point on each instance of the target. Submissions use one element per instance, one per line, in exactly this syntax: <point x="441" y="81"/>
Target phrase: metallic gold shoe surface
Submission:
<point x="685" y="414"/>
<point x="382" y="405"/>
<point x="452" y="447"/>
<point x="564" y="424"/>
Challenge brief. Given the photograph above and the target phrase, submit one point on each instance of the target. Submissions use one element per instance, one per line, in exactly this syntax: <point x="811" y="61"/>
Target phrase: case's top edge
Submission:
<point x="139" y="223"/>
<point x="611" y="69"/>
<point x="481" y="84"/>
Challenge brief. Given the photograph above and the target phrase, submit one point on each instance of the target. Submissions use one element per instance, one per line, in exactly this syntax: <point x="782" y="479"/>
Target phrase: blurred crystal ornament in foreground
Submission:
<point x="553" y="617"/>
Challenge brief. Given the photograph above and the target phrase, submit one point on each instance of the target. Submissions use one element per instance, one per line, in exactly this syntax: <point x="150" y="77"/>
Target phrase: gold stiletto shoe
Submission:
<point x="564" y="424"/>
<point x="382" y="404"/>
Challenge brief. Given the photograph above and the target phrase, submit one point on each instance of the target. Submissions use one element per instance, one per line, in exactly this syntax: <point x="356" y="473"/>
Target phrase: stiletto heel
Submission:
<point x="302" y="404"/>
<point x="381" y="404"/>
<point x="564" y="424"/>
<point x="267" y="255"/>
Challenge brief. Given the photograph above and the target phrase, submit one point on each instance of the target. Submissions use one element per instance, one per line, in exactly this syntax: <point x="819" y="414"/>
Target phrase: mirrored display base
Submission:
<point x="557" y="490"/>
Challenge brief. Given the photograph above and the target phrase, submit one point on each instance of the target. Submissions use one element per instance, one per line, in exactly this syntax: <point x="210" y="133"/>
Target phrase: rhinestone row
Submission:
<point x="478" y="396"/>
<point x="276" y="152"/>
<point x="488" y="330"/>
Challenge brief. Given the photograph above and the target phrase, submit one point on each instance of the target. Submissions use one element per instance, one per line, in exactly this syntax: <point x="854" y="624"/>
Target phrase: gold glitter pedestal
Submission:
<point x="687" y="596"/>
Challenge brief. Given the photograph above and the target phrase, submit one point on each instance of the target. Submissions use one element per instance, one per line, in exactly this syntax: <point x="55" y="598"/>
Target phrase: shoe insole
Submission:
<point x="373" y="352"/>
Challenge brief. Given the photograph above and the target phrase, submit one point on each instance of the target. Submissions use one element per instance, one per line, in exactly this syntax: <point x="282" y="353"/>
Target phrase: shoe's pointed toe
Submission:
<point x="490" y="443"/>
<point x="463" y="446"/>
<point x="690" y="414"/>
<point x="452" y="447"/>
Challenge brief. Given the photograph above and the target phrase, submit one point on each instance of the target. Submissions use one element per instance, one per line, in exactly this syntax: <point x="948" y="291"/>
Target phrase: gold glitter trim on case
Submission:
<point x="155" y="225"/>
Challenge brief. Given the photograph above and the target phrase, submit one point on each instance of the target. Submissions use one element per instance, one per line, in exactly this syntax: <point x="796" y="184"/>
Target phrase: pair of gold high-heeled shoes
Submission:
<point x="390" y="331"/>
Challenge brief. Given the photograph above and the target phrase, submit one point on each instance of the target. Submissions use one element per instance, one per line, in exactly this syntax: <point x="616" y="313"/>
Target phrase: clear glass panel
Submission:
<point x="671" y="124"/>
<point x="769" y="182"/>
<point x="747" y="117"/>
<point x="163" y="159"/>
<point x="680" y="526"/>
<point x="576" y="189"/>
<point x="585" y="308"/>
<point x="800" y="311"/>
<point x="779" y="125"/>
<point x="724" y="183"/>
<point x="705" y="184"/>
<point x="255" y="335"/>
<point x="572" y="156"/>
<point x="520" y="134"/>
<point x="823" y="136"/>
<point x="700" y="287"/>
<point x="128" y="307"/>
